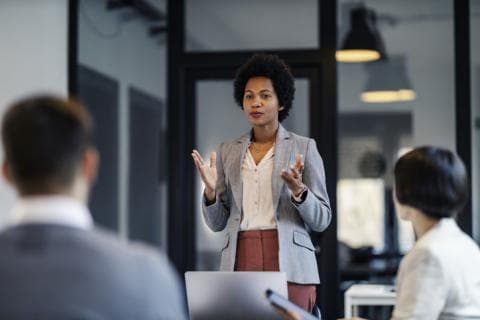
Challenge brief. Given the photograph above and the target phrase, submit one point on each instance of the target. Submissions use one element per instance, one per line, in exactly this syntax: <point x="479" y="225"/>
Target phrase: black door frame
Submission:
<point x="184" y="68"/>
<point x="463" y="103"/>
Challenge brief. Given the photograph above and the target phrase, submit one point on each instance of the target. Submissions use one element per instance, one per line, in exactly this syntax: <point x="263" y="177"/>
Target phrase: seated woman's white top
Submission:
<point x="440" y="277"/>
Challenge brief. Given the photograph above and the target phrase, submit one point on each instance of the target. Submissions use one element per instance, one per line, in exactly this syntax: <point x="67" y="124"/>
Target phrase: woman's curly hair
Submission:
<point x="272" y="67"/>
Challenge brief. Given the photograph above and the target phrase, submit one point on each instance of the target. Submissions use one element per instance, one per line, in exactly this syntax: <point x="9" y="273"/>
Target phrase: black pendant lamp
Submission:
<point x="363" y="42"/>
<point x="388" y="81"/>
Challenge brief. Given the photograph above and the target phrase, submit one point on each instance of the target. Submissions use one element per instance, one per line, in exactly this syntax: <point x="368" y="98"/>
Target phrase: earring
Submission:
<point x="281" y="108"/>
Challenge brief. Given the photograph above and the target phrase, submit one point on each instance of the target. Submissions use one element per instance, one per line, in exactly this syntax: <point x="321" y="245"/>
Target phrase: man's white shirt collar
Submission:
<point x="60" y="210"/>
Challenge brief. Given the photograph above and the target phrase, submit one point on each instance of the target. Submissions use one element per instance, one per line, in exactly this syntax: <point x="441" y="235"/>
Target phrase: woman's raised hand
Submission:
<point x="208" y="173"/>
<point x="293" y="177"/>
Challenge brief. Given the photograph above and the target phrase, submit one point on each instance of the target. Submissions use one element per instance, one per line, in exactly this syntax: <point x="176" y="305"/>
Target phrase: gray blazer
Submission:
<point x="296" y="251"/>
<point x="57" y="272"/>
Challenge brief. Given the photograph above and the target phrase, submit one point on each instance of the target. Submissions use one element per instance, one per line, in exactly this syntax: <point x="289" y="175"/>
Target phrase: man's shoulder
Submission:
<point x="127" y="271"/>
<point x="111" y="241"/>
<point x="98" y="239"/>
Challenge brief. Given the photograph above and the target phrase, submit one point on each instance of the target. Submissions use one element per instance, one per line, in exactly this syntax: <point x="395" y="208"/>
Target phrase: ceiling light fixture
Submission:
<point x="363" y="42"/>
<point x="388" y="82"/>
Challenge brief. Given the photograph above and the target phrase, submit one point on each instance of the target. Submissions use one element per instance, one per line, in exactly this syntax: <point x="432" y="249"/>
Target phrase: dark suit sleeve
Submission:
<point x="166" y="293"/>
<point x="315" y="209"/>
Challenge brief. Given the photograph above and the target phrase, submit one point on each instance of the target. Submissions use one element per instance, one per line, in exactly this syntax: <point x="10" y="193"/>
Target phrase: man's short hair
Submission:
<point x="432" y="180"/>
<point x="44" y="139"/>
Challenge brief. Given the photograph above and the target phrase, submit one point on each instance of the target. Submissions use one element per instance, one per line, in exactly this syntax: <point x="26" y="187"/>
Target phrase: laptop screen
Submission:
<point x="232" y="295"/>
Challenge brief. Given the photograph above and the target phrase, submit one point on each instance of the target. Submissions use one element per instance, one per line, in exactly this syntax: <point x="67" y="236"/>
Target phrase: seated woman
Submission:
<point x="440" y="277"/>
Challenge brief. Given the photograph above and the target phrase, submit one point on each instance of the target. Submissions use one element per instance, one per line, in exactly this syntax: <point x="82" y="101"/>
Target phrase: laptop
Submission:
<point x="232" y="295"/>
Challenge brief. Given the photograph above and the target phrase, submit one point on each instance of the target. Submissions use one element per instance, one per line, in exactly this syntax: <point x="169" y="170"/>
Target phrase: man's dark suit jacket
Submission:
<point x="58" y="272"/>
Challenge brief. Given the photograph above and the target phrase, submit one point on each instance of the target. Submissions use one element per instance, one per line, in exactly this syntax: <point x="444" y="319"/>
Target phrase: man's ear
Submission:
<point x="90" y="164"/>
<point x="6" y="173"/>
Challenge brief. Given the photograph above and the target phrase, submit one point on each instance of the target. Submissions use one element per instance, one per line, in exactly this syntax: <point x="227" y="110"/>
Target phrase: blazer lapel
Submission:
<point x="238" y="154"/>
<point x="283" y="149"/>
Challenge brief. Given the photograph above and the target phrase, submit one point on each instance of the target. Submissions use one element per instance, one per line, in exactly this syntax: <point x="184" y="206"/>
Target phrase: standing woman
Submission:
<point x="267" y="188"/>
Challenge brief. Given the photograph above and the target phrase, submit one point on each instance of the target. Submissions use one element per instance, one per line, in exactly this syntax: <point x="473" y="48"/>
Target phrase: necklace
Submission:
<point x="257" y="150"/>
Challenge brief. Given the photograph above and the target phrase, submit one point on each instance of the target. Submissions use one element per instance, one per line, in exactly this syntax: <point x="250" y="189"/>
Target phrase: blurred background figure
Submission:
<point x="54" y="264"/>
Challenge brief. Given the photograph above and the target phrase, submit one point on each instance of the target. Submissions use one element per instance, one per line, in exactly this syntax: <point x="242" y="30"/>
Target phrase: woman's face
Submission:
<point x="260" y="102"/>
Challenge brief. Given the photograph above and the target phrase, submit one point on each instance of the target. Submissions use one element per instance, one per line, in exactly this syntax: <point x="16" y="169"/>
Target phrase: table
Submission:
<point x="367" y="295"/>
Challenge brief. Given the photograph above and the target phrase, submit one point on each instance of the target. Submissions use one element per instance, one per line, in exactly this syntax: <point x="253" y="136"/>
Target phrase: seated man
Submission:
<point x="54" y="264"/>
<point x="439" y="278"/>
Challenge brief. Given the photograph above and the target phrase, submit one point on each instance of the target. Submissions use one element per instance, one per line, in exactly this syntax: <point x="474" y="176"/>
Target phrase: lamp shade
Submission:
<point x="363" y="41"/>
<point x="388" y="82"/>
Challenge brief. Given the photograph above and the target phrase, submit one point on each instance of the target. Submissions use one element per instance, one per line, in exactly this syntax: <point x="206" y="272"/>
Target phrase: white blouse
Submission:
<point x="257" y="200"/>
<point x="440" y="277"/>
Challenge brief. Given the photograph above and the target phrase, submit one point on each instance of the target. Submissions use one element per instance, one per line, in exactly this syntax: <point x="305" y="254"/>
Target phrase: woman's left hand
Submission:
<point x="293" y="176"/>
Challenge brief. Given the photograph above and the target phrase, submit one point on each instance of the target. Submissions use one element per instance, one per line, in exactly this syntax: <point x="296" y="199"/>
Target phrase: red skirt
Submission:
<point x="257" y="250"/>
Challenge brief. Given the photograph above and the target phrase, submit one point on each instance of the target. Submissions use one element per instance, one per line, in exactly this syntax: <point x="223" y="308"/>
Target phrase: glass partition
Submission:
<point x="121" y="77"/>
<point x="219" y="25"/>
<point x="373" y="133"/>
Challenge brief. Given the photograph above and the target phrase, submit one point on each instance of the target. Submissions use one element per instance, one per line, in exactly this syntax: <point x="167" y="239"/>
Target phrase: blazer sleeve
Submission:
<point x="216" y="214"/>
<point x="315" y="209"/>
<point x="421" y="287"/>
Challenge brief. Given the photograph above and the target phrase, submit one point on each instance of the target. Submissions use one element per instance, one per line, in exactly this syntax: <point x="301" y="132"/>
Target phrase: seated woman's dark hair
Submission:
<point x="272" y="67"/>
<point x="432" y="180"/>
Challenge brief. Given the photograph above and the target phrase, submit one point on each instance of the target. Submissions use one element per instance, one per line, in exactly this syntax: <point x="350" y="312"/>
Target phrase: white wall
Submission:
<point x="33" y="46"/>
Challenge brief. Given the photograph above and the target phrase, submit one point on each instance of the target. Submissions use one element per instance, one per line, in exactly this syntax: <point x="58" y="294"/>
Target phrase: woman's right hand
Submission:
<point x="208" y="173"/>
